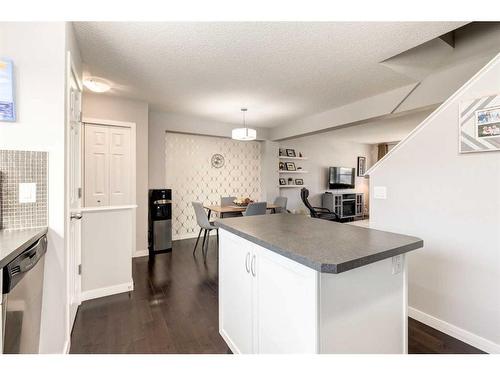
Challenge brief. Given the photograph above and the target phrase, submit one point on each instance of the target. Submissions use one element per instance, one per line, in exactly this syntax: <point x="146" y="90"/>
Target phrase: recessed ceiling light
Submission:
<point x="96" y="84"/>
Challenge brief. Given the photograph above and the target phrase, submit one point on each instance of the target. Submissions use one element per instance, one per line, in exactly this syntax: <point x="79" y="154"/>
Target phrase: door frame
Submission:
<point x="71" y="72"/>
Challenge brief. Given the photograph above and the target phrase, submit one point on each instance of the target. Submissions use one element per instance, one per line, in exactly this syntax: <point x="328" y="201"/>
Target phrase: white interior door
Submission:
<point x="119" y="165"/>
<point x="74" y="195"/>
<point x="96" y="165"/>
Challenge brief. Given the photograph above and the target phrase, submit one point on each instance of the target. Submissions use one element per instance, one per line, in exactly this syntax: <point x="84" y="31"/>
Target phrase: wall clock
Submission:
<point x="217" y="161"/>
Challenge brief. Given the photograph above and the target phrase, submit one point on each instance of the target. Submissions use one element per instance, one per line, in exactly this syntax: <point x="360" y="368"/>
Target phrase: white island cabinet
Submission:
<point x="272" y="303"/>
<point x="263" y="295"/>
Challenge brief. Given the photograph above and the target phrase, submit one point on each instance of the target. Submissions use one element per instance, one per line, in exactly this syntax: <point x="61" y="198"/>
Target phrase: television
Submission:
<point x="341" y="178"/>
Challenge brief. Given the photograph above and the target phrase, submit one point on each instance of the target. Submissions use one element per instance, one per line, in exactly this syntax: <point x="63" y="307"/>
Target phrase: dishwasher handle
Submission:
<point x="15" y="270"/>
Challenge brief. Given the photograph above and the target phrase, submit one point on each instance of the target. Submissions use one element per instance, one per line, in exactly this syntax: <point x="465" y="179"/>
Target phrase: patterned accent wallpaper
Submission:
<point x="18" y="167"/>
<point x="191" y="176"/>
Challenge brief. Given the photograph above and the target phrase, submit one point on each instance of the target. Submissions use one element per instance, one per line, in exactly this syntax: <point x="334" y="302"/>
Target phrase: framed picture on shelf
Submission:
<point x="282" y="181"/>
<point x="282" y="166"/>
<point x="290" y="153"/>
<point x="299" y="181"/>
<point x="290" y="166"/>
<point x="282" y="152"/>
<point x="361" y="166"/>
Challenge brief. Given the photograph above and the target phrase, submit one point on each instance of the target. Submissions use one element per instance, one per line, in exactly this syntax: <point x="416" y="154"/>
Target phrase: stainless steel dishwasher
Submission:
<point x="22" y="299"/>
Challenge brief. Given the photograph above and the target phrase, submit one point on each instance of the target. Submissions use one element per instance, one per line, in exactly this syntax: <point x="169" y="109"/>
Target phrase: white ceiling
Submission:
<point x="280" y="71"/>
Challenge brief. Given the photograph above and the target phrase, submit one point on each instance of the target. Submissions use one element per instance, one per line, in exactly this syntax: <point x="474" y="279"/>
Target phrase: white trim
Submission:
<point x="107" y="291"/>
<point x="67" y="347"/>
<point x="99" y="121"/>
<point x="108" y="208"/>
<point x="431" y="117"/>
<point x="454" y="331"/>
<point x="140" y="253"/>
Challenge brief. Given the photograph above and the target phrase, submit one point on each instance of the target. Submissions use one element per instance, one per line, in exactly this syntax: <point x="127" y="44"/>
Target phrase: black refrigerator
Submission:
<point x="160" y="221"/>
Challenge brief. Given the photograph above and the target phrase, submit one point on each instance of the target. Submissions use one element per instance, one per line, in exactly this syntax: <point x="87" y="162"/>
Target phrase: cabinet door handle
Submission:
<point x="253" y="266"/>
<point x="247" y="267"/>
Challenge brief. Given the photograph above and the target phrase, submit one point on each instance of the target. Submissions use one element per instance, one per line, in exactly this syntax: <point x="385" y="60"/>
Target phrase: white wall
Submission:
<point x="38" y="53"/>
<point x="114" y="108"/>
<point x="323" y="151"/>
<point x="161" y="122"/>
<point x="451" y="201"/>
<point x="107" y="243"/>
<point x="191" y="177"/>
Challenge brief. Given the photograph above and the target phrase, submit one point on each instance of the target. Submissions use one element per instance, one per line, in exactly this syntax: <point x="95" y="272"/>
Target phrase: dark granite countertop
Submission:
<point x="325" y="246"/>
<point x="14" y="241"/>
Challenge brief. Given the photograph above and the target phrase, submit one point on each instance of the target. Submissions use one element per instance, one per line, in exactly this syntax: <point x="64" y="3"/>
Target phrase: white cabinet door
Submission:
<point x="285" y="304"/>
<point x="119" y="166"/>
<point x="235" y="293"/>
<point x="96" y="166"/>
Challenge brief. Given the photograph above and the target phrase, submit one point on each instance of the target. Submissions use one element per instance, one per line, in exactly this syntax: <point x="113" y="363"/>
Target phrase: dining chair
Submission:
<point x="206" y="226"/>
<point x="256" y="208"/>
<point x="281" y="202"/>
<point x="228" y="201"/>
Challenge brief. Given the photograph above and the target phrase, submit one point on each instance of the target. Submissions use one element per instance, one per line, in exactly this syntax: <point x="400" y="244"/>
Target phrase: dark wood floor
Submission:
<point x="173" y="309"/>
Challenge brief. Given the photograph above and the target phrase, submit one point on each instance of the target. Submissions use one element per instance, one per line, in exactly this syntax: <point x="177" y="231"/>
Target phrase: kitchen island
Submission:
<point x="293" y="284"/>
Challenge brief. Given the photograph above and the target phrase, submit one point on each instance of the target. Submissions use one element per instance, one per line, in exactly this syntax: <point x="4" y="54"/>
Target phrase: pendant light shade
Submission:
<point x="244" y="133"/>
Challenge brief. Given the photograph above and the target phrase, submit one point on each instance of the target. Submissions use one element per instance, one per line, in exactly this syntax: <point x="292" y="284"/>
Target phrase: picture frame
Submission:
<point x="7" y="97"/>
<point x="361" y="166"/>
<point x="479" y="125"/>
<point x="282" y="152"/>
<point x="299" y="181"/>
<point x="290" y="166"/>
<point x="282" y="181"/>
<point x="488" y="123"/>
<point x="290" y="153"/>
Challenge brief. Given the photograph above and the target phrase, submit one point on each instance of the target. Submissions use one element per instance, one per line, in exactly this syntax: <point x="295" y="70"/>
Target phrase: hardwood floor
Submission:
<point x="173" y="309"/>
<point x="423" y="339"/>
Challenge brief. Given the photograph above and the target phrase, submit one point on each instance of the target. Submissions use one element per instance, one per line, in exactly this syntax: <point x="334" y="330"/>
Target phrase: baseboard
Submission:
<point x="67" y="346"/>
<point x="141" y="253"/>
<point x="107" y="291"/>
<point x="454" y="331"/>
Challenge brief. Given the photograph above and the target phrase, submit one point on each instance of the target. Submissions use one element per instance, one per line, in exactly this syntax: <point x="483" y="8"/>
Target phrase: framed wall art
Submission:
<point x="479" y="125"/>
<point x="7" y="101"/>
<point x="361" y="166"/>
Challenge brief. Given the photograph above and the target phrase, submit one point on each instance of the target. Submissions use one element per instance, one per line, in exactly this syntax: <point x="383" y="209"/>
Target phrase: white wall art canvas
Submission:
<point x="7" y="107"/>
<point x="479" y="125"/>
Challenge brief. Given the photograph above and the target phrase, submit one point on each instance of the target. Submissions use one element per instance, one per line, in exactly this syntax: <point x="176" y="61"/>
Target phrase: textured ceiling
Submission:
<point x="280" y="71"/>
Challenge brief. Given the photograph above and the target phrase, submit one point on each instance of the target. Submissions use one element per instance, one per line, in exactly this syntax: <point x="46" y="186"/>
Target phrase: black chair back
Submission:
<point x="304" y="194"/>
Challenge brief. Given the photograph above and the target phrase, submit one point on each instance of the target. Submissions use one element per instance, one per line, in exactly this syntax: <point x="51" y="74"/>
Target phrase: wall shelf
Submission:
<point x="290" y="186"/>
<point x="286" y="172"/>
<point x="293" y="158"/>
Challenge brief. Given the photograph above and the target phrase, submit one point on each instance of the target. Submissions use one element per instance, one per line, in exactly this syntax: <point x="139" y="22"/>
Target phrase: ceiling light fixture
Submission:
<point x="244" y="133"/>
<point x="96" y="84"/>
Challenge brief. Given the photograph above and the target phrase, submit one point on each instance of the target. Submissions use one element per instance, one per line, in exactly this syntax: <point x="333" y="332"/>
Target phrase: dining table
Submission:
<point x="221" y="210"/>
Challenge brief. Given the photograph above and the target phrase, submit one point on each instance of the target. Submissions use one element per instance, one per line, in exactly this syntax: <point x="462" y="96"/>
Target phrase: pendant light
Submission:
<point x="244" y="133"/>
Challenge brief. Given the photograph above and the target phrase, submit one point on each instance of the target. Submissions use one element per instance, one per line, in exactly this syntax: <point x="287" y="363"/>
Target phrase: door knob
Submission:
<point x="76" y="215"/>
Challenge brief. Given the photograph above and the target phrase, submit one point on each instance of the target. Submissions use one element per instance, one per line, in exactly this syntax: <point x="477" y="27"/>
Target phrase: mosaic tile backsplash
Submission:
<point x="20" y="167"/>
